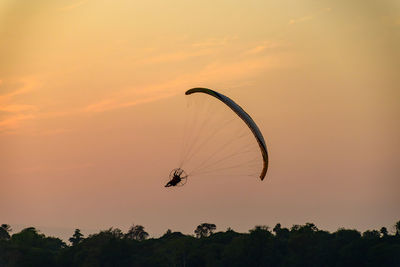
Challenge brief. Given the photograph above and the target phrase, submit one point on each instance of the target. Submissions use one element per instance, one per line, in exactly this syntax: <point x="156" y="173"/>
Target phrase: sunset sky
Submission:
<point x="92" y="103"/>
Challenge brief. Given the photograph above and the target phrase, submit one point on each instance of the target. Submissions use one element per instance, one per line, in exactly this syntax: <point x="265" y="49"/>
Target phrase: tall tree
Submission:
<point x="384" y="232"/>
<point x="168" y="233"/>
<point x="397" y="227"/>
<point x="136" y="232"/>
<point x="205" y="229"/>
<point x="76" y="237"/>
<point x="5" y="230"/>
<point x="277" y="228"/>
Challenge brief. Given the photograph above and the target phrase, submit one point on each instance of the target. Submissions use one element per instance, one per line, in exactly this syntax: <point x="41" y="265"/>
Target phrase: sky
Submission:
<point x="92" y="108"/>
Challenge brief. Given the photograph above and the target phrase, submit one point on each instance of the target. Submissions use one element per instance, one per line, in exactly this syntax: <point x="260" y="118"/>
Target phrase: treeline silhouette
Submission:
<point x="301" y="245"/>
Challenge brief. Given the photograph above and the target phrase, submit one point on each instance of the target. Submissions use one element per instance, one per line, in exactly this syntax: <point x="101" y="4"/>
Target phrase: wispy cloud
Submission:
<point x="16" y="112"/>
<point x="18" y="108"/>
<point x="309" y="17"/>
<point x="115" y="104"/>
<point x="215" y="41"/>
<point x="264" y="46"/>
<point x="255" y="50"/>
<point x="243" y="69"/>
<point x="176" y="56"/>
<point x="26" y="84"/>
<point x="213" y="72"/>
<point x="134" y="96"/>
<point x="239" y="67"/>
<point x="299" y="20"/>
<point x="13" y="121"/>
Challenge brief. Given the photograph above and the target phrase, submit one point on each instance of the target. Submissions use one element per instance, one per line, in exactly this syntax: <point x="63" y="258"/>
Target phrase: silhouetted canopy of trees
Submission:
<point x="137" y="232"/>
<point x="301" y="245"/>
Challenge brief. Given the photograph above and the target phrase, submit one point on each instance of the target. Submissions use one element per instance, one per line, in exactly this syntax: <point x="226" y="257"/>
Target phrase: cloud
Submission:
<point x="243" y="69"/>
<point x="233" y="68"/>
<point x="215" y="41"/>
<point x="299" y="20"/>
<point x="16" y="112"/>
<point x="24" y="85"/>
<point x="110" y="105"/>
<point x="212" y="73"/>
<point x="309" y="17"/>
<point x="256" y="50"/>
<point x="264" y="46"/>
<point x="176" y="56"/>
<point x="18" y="108"/>
<point x="13" y="121"/>
<point x="134" y="96"/>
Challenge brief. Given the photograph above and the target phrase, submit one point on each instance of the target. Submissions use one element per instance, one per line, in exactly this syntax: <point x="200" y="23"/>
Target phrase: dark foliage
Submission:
<point x="301" y="245"/>
<point x="76" y="238"/>
<point x="205" y="230"/>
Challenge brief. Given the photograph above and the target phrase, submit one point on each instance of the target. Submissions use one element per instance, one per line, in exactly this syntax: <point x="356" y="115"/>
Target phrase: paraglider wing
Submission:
<point x="245" y="117"/>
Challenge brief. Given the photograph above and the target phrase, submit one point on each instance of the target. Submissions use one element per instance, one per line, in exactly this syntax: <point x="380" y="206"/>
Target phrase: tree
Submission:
<point x="136" y="232"/>
<point x="259" y="228"/>
<point x="371" y="234"/>
<point x="116" y="233"/>
<point x="305" y="245"/>
<point x="205" y="230"/>
<point x="31" y="237"/>
<point x="307" y="228"/>
<point x="397" y="227"/>
<point x="28" y="236"/>
<point x="277" y="228"/>
<point x="295" y="228"/>
<point x="167" y="233"/>
<point x="76" y="238"/>
<point x="5" y="230"/>
<point x="6" y="227"/>
<point x="384" y="232"/>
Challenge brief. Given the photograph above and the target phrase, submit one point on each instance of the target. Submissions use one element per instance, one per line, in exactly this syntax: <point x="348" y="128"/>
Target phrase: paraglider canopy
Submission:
<point x="245" y="117"/>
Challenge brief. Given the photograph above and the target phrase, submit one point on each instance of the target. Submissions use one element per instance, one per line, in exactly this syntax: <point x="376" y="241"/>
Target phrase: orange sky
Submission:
<point x="92" y="97"/>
